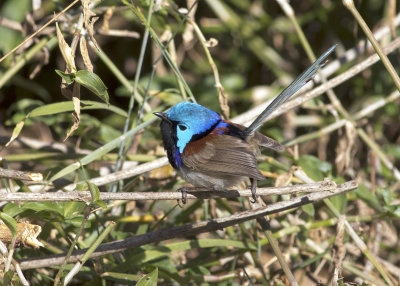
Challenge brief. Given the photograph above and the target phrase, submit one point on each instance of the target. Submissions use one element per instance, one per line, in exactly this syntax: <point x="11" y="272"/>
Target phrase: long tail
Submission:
<point x="298" y="83"/>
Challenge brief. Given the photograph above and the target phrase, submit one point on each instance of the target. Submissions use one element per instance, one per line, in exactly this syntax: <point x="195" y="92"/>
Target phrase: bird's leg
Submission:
<point x="254" y="190"/>
<point x="184" y="191"/>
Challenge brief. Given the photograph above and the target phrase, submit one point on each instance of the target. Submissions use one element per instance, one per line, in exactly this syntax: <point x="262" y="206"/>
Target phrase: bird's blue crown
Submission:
<point x="192" y="119"/>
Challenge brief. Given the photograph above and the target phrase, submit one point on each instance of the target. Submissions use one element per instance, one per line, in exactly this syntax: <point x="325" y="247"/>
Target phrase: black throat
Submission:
<point x="168" y="133"/>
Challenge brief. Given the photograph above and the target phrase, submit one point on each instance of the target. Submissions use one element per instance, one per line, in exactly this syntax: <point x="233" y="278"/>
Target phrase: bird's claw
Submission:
<point x="254" y="191"/>
<point x="254" y="196"/>
<point x="184" y="197"/>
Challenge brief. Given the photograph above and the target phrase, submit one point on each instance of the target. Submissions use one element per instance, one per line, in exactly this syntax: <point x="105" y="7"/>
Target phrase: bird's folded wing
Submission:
<point x="261" y="139"/>
<point x="222" y="155"/>
<point x="265" y="141"/>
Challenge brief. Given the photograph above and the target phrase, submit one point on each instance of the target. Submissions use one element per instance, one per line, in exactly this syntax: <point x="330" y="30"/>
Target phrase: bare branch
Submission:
<point x="20" y="175"/>
<point x="250" y="115"/>
<point x="39" y="30"/>
<point x="84" y="196"/>
<point x="189" y="229"/>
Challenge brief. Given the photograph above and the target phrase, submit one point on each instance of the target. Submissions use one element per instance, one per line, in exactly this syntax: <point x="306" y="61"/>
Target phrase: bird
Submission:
<point x="213" y="153"/>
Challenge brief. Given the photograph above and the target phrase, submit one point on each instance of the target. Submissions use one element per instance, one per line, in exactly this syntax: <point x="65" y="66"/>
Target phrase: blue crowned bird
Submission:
<point x="210" y="152"/>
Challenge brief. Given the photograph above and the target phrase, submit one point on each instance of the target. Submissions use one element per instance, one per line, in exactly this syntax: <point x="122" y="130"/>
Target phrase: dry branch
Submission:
<point x="251" y="114"/>
<point x="20" y="175"/>
<point x="189" y="229"/>
<point x="84" y="196"/>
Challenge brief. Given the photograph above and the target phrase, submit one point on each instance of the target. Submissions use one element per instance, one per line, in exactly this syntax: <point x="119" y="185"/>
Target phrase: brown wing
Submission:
<point x="262" y="140"/>
<point x="265" y="141"/>
<point x="222" y="155"/>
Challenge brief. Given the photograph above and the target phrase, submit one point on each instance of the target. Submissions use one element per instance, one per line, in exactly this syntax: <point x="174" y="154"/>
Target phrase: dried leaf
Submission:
<point x="66" y="51"/>
<point x="89" y="20"/>
<point x="106" y="19"/>
<point x="161" y="173"/>
<point x="85" y="54"/>
<point x="16" y="131"/>
<point x="77" y="110"/>
<point x="343" y="149"/>
<point x="188" y="34"/>
<point x="223" y="101"/>
<point x="26" y="234"/>
<point x="285" y="178"/>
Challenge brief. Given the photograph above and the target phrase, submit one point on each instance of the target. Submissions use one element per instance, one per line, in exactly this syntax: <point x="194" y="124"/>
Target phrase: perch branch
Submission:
<point x="84" y="196"/>
<point x="189" y="229"/>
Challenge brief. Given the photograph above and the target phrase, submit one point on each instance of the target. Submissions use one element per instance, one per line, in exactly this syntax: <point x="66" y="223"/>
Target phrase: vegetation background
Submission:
<point x="230" y="56"/>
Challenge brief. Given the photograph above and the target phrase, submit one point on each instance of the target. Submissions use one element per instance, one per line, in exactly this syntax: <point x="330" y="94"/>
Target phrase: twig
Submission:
<point x="20" y="175"/>
<point x="352" y="233"/>
<point x="122" y="150"/>
<point x="338" y="124"/>
<point x="265" y="225"/>
<point x="250" y="115"/>
<point x="189" y="229"/>
<point x="39" y="30"/>
<point x="349" y="4"/>
<point x="79" y="264"/>
<point x="85" y="196"/>
<point x="9" y="73"/>
<point x="10" y="24"/>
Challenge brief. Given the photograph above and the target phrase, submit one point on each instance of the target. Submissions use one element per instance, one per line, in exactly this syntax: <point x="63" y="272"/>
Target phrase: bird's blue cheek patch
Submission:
<point x="183" y="138"/>
<point x="177" y="158"/>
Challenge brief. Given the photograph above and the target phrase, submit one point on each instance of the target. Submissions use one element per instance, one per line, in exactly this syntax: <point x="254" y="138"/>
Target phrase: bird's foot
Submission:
<point x="184" y="191"/>
<point x="254" y="190"/>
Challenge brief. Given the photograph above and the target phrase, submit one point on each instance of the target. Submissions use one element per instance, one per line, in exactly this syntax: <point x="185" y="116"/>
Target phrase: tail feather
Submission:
<point x="298" y="83"/>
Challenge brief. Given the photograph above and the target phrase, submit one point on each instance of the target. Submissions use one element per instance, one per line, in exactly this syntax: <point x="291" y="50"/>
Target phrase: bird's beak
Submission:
<point x="163" y="116"/>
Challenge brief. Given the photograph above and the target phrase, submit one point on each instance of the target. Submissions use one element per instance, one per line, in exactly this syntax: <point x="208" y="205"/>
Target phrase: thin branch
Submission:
<point x="39" y="30"/>
<point x="349" y="4"/>
<point x="189" y="229"/>
<point x="20" y="175"/>
<point x="250" y="115"/>
<point x="85" y="196"/>
<point x="338" y="124"/>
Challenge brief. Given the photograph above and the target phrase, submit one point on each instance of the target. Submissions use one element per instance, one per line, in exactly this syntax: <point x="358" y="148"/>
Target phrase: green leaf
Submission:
<point x="92" y="82"/>
<point x="10" y="223"/>
<point x="314" y="168"/>
<point x="365" y="194"/>
<point x="120" y="277"/>
<point x="165" y="250"/>
<point x="12" y="209"/>
<point x="150" y="279"/>
<point x="67" y="106"/>
<point x="44" y="206"/>
<point x="94" y="192"/>
<point x="309" y="209"/>
<point x="387" y="196"/>
<point x="8" y="277"/>
<point x="72" y="209"/>
<point x="340" y="202"/>
<point x="81" y="187"/>
<point x="68" y="77"/>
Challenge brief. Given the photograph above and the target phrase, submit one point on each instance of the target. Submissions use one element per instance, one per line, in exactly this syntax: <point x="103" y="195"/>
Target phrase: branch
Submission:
<point x="20" y="175"/>
<point x="250" y="115"/>
<point x="188" y="229"/>
<point x="84" y="196"/>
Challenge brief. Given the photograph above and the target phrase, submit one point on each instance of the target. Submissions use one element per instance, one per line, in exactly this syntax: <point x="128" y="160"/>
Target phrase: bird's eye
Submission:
<point x="182" y="127"/>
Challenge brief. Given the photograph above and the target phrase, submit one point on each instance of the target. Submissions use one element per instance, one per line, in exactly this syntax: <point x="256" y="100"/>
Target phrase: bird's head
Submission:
<point x="184" y="122"/>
